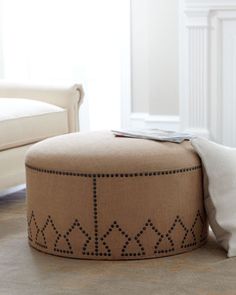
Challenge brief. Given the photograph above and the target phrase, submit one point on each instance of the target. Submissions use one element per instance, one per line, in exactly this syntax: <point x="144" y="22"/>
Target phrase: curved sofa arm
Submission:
<point x="67" y="97"/>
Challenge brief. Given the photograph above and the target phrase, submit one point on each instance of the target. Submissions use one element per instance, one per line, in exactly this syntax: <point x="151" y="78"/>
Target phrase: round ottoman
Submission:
<point x="97" y="196"/>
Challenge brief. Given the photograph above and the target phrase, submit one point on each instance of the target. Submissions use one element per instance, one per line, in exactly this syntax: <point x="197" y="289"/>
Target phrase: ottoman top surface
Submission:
<point x="102" y="152"/>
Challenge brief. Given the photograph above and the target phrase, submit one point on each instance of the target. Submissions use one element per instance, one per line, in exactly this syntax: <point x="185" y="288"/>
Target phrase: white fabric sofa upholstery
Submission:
<point x="28" y="114"/>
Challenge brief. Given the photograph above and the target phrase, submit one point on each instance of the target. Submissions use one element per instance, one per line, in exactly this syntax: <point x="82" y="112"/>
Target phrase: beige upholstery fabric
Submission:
<point x="13" y="160"/>
<point x="67" y="97"/>
<point x="95" y="196"/>
<point x="25" y="121"/>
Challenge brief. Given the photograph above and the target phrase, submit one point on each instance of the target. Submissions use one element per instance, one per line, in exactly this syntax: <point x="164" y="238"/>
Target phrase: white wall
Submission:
<point x="63" y="41"/>
<point x="1" y="53"/>
<point x="154" y="52"/>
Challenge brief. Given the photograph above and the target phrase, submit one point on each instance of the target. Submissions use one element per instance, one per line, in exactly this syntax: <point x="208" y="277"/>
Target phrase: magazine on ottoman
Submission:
<point x="154" y="134"/>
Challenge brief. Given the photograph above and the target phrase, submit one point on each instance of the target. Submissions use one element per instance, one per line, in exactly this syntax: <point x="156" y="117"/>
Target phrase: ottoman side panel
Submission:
<point x="60" y="213"/>
<point x="150" y="216"/>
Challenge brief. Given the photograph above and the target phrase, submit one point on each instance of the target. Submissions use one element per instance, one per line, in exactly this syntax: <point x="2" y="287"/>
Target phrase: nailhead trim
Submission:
<point x="95" y="216"/>
<point x="32" y="217"/>
<point x="75" y="225"/>
<point x="102" y="175"/>
<point x="115" y="226"/>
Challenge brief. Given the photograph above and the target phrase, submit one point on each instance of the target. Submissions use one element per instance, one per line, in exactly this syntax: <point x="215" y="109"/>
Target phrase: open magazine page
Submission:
<point x="154" y="134"/>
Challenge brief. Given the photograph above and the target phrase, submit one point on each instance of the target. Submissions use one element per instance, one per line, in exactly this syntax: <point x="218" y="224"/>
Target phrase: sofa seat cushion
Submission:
<point x="25" y="121"/>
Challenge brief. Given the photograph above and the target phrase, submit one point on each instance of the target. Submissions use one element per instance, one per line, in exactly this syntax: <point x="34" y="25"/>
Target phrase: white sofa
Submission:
<point x="29" y="114"/>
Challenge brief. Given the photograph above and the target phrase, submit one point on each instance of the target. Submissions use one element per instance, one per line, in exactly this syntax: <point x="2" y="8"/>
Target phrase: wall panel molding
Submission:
<point x="207" y="69"/>
<point x="147" y="121"/>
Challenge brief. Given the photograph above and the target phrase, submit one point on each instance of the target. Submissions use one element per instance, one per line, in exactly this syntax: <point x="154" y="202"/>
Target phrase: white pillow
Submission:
<point x="220" y="190"/>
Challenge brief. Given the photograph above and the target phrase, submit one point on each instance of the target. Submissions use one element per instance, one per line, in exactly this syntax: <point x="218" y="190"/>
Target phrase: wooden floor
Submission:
<point x="24" y="271"/>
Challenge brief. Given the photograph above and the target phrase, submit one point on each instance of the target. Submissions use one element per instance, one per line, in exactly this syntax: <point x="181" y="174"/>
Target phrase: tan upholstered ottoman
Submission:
<point x="95" y="196"/>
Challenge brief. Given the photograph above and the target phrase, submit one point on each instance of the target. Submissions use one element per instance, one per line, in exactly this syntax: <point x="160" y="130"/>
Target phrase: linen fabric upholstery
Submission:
<point x="22" y="123"/>
<point x="95" y="196"/>
<point x="68" y="97"/>
<point x="12" y="174"/>
<point x="25" y="121"/>
<point x="220" y="190"/>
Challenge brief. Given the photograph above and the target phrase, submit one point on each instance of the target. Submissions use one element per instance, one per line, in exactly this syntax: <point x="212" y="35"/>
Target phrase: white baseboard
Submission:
<point x="147" y="121"/>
